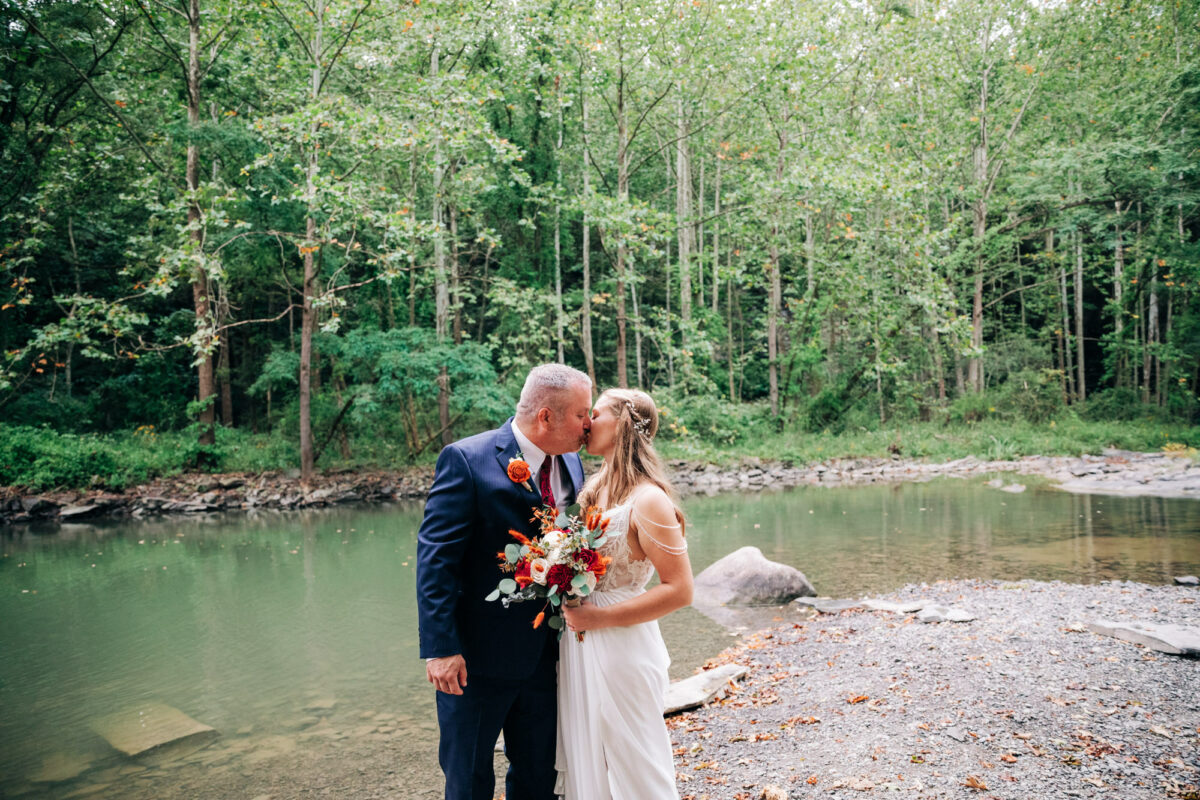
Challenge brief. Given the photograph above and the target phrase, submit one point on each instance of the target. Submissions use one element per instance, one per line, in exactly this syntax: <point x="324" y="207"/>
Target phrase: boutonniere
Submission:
<point x="519" y="472"/>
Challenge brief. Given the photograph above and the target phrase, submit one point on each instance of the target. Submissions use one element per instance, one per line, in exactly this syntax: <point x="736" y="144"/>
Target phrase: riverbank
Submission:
<point x="1023" y="701"/>
<point x="1115" y="472"/>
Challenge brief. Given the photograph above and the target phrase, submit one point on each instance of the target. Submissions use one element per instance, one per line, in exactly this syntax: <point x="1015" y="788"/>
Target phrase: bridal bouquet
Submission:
<point x="560" y="565"/>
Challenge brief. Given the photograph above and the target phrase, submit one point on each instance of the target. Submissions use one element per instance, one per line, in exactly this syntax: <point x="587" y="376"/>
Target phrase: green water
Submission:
<point x="295" y="635"/>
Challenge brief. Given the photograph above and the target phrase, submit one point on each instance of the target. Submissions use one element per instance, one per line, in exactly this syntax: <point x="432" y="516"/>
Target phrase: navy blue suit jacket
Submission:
<point x="471" y="507"/>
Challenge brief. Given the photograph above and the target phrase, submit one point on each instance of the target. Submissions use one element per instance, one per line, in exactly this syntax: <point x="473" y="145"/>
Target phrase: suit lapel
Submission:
<point x="575" y="469"/>
<point x="506" y="449"/>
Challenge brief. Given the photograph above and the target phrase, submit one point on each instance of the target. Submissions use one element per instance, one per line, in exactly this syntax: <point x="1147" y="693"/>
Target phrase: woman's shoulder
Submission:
<point x="650" y="498"/>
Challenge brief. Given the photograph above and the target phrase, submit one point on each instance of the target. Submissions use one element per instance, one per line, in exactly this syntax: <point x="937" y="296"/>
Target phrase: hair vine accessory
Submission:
<point x="640" y="424"/>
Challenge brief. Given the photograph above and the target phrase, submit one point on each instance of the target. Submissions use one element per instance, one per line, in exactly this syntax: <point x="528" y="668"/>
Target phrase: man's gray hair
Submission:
<point x="546" y="386"/>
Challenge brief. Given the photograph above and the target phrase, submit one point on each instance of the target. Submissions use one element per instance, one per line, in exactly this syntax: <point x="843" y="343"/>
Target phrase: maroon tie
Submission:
<point x="544" y="483"/>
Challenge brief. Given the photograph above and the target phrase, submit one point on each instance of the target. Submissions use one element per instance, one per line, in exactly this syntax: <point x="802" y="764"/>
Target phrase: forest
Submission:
<point x="254" y="235"/>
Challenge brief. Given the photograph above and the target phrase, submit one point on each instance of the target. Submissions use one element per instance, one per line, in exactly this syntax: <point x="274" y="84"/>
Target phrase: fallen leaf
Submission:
<point x="1008" y="758"/>
<point x="973" y="782"/>
<point x="858" y="698"/>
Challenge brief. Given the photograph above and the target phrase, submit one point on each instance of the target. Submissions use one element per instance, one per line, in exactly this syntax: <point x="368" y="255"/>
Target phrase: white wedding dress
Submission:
<point x="612" y="740"/>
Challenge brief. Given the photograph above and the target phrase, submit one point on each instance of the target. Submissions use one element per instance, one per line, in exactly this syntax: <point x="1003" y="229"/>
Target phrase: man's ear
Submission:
<point x="545" y="416"/>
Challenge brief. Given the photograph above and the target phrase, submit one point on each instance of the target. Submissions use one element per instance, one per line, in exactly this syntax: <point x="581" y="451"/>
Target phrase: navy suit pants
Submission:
<point x="526" y="710"/>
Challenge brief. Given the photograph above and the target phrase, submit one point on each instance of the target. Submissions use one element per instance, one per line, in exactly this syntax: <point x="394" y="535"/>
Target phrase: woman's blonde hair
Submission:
<point x="633" y="459"/>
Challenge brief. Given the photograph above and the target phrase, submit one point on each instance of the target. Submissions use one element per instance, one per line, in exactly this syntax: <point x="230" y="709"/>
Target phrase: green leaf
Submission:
<point x="512" y="553"/>
<point x="579" y="580"/>
<point x="555" y="622"/>
<point x="554" y="599"/>
<point x="508" y="586"/>
<point x="573" y="510"/>
<point x="495" y="595"/>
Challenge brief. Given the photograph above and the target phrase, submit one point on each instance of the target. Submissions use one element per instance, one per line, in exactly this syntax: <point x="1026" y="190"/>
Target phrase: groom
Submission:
<point x="493" y="671"/>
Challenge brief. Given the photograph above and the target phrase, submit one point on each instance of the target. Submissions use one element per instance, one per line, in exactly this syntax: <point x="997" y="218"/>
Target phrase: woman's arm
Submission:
<point x="660" y="536"/>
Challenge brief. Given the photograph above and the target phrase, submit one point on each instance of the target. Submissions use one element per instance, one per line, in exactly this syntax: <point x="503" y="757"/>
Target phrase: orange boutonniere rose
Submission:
<point x="519" y="472"/>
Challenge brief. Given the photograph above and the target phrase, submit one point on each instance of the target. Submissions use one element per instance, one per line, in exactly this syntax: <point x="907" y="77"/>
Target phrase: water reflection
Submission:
<point x="295" y="634"/>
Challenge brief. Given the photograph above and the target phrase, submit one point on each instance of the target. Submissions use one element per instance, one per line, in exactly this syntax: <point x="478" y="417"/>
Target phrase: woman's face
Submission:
<point x="603" y="430"/>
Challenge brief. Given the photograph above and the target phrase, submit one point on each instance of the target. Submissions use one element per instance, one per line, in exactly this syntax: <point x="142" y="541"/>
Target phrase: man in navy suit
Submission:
<point x="492" y="669"/>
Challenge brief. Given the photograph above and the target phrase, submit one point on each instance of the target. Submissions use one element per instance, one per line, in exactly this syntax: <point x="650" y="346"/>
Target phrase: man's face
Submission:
<point x="566" y="430"/>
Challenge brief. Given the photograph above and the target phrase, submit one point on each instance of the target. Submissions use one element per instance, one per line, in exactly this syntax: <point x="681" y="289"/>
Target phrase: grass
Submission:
<point x="936" y="442"/>
<point x="40" y="459"/>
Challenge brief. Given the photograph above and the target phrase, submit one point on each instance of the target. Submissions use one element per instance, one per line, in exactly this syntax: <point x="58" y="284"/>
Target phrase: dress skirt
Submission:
<point x="612" y="739"/>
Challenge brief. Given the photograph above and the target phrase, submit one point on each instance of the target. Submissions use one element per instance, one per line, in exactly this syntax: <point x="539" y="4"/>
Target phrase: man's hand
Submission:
<point x="447" y="674"/>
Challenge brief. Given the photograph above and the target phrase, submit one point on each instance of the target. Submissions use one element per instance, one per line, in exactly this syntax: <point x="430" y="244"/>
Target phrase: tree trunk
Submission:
<point x="716" y="251"/>
<point x="775" y="290"/>
<point x="683" y="215"/>
<point x="622" y="200"/>
<point x="558" y="293"/>
<point x="810" y="255"/>
<point x="206" y="387"/>
<point x="307" y="312"/>
<point x="1118" y="303"/>
<point x="698" y="235"/>
<point x="586" y="255"/>
<point x="1080" y="380"/>
<point x="729" y="321"/>
<point x="441" y="281"/>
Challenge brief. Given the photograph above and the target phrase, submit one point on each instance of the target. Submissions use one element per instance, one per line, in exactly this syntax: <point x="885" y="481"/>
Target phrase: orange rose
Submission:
<point x="518" y="471"/>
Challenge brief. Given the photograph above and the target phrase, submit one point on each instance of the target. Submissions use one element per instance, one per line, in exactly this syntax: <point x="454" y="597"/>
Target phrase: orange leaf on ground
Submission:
<point x="858" y="698"/>
<point x="974" y="783"/>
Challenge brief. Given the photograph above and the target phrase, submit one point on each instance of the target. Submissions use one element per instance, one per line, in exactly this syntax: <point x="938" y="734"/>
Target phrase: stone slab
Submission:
<point x="1179" y="640"/>
<point x="910" y="607"/>
<point x="828" y="605"/>
<point x="148" y="726"/>
<point x="1187" y="580"/>
<point x="76" y="512"/>
<point x="701" y="688"/>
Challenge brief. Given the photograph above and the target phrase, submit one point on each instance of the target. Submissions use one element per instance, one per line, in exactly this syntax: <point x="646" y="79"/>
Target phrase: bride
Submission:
<point x="613" y="742"/>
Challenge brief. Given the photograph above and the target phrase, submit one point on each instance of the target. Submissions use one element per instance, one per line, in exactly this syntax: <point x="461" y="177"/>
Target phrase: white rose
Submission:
<point x="552" y="539"/>
<point x="538" y="569"/>
<point x="590" y="577"/>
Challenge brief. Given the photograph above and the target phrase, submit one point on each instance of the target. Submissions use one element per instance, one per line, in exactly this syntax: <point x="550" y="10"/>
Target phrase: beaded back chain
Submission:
<point x="640" y="424"/>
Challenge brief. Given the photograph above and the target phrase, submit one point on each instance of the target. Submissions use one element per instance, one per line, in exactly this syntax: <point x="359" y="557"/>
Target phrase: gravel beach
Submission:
<point x="1021" y="702"/>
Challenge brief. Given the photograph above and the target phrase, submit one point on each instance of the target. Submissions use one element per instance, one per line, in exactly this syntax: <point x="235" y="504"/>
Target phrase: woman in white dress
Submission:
<point x="613" y="742"/>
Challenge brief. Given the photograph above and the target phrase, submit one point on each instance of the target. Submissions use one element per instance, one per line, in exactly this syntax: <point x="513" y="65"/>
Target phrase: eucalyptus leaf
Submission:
<point x="495" y="595"/>
<point x="508" y="586"/>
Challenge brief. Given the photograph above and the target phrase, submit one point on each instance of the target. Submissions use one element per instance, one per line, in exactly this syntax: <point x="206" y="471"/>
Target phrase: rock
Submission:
<point x="896" y="608"/>
<point x="1014" y="488"/>
<point x="956" y="733"/>
<point x="143" y="728"/>
<point x="700" y="688"/>
<point x="77" y="512"/>
<point x="36" y="505"/>
<point x="320" y="704"/>
<point x="996" y="483"/>
<point x="746" y="577"/>
<point x="1187" y="580"/>
<point x="935" y="613"/>
<point x="828" y="605"/>
<point x="1173" y="639"/>
<point x="60" y="766"/>
<point x="232" y="482"/>
<point x="771" y="792"/>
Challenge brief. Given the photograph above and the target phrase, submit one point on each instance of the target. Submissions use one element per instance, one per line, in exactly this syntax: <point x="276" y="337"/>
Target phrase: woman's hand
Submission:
<point x="586" y="617"/>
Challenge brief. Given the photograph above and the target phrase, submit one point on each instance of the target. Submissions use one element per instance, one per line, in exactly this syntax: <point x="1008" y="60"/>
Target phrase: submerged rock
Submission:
<point x="745" y="577"/>
<point x="1187" y="580"/>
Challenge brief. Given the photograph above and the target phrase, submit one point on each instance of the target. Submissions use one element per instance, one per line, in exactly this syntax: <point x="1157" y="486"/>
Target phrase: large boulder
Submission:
<point x="746" y="578"/>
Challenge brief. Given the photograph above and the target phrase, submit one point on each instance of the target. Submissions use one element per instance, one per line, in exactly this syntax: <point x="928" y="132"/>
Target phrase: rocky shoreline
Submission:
<point x="1116" y="472"/>
<point x="1024" y="698"/>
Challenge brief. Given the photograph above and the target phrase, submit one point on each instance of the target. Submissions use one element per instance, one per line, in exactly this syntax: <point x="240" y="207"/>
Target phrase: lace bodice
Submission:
<point x="624" y="571"/>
